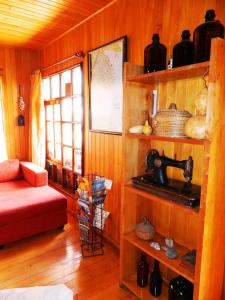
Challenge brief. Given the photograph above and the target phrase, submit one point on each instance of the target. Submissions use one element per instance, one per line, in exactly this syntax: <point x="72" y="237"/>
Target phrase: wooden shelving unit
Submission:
<point x="167" y="139"/>
<point x="131" y="189"/>
<point x="172" y="74"/>
<point x="197" y="228"/>
<point x="143" y="293"/>
<point x="173" y="264"/>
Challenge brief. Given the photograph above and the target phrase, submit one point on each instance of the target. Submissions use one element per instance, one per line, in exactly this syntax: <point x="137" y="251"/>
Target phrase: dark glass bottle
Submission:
<point x="203" y="35"/>
<point x="183" y="52"/>
<point x="180" y="289"/>
<point x="142" y="272"/>
<point x="155" y="283"/>
<point x="154" y="56"/>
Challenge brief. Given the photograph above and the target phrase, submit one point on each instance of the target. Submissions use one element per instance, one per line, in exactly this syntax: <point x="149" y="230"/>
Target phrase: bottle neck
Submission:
<point x="155" y="39"/>
<point x="143" y="258"/>
<point x="186" y="35"/>
<point x="156" y="265"/>
<point x="210" y="15"/>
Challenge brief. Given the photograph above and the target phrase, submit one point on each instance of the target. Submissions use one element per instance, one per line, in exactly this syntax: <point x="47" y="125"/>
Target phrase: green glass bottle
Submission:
<point x="155" y="283"/>
<point x="142" y="272"/>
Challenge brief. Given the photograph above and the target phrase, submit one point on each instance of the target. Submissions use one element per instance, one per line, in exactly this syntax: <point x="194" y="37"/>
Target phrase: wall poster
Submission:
<point x="106" y="86"/>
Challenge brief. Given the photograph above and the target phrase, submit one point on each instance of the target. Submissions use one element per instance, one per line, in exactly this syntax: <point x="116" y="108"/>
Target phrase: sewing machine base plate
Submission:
<point x="175" y="190"/>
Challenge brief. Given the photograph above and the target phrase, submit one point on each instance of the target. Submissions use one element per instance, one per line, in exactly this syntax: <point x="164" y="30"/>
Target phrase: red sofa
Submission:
<point x="27" y="204"/>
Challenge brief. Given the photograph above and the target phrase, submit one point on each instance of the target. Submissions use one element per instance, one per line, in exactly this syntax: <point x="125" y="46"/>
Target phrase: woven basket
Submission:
<point x="170" y="122"/>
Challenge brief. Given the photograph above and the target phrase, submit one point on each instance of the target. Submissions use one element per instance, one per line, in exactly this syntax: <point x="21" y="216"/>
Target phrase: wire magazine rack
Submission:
<point x="91" y="196"/>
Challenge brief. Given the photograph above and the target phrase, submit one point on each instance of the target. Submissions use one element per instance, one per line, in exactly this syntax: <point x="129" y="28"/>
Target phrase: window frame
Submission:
<point x="58" y="100"/>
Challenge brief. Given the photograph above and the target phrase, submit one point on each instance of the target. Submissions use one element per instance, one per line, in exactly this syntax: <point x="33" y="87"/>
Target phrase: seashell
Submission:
<point x="155" y="246"/>
<point x="171" y="253"/>
<point x="136" y="129"/>
<point x="165" y="248"/>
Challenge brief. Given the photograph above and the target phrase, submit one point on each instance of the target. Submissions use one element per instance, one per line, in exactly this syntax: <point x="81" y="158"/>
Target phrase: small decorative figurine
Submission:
<point x="171" y="252"/>
<point x="147" y="129"/>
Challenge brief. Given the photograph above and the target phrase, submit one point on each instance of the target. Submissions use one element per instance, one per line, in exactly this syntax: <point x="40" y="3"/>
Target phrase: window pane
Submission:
<point x="57" y="112"/>
<point x="67" y="134"/>
<point x="57" y="132"/>
<point x="58" y="152"/>
<point x="77" y="82"/>
<point x="67" y="157"/>
<point x="50" y="132"/>
<point x="50" y="150"/>
<point x="78" y="136"/>
<point x="65" y="79"/>
<point x="55" y="86"/>
<point x="67" y="109"/>
<point x="49" y="112"/>
<point x="77" y="161"/>
<point x="46" y="89"/>
<point x="77" y="109"/>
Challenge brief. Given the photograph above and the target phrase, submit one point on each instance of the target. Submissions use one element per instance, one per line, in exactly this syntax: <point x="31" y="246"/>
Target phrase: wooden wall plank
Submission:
<point x="17" y="66"/>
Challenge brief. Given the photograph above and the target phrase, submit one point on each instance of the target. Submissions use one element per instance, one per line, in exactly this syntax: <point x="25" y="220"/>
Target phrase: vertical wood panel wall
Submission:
<point x="138" y="20"/>
<point x="17" y="66"/>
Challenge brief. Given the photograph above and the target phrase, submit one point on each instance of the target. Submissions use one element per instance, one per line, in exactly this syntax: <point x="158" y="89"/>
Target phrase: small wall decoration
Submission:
<point x="21" y="106"/>
<point x="106" y="86"/>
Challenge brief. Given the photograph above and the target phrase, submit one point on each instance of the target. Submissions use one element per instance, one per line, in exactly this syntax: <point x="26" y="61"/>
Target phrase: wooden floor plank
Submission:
<point x="55" y="257"/>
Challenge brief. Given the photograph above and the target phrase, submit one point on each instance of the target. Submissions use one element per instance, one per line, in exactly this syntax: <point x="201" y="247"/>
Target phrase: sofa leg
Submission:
<point x="61" y="227"/>
<point x="2" y="246"/>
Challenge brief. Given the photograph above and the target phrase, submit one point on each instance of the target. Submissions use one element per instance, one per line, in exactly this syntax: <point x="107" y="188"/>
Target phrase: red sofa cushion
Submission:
<point x="10" y="170"/>
<point x="19" y="201"/>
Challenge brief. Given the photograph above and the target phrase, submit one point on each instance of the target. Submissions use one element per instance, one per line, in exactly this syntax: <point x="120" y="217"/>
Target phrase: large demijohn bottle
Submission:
<point x="203" y="35"/>
<point x="183" y="52"/>
<point x="180" y="289"/>
<point x="155" y="283"/>
<point x="154" y="56"/>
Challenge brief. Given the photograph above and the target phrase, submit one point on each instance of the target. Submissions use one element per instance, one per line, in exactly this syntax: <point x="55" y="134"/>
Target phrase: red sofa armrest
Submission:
<point x="34" y="174"/>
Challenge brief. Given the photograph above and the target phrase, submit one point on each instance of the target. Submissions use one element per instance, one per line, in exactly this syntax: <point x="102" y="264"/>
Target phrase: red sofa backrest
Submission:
<point x="10" y="170"/>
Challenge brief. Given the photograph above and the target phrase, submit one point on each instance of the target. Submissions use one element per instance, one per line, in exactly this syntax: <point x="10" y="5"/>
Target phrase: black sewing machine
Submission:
<point x="157" y="182"/>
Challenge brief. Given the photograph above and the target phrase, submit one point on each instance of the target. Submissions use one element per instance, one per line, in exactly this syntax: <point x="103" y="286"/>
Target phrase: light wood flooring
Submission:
<point x="54" y="258"/>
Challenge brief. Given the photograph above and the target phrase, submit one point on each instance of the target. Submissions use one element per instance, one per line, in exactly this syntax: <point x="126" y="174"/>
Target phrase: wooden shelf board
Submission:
<point x="143" y="293"/>
<point x="172" y="74"/>
<point x="130" y="188"/>
<point x="166" y="139"/>
<point x="173" y="264"/>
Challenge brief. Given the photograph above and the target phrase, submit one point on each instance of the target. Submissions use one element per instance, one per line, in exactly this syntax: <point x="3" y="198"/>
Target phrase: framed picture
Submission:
<point x="106" y="86"/>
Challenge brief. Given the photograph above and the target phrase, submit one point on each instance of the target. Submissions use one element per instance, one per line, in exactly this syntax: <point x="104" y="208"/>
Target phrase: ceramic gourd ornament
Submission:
<point x="195" y="127"/>
<point x="147" y="129"/>
<point x="201" y="102"/>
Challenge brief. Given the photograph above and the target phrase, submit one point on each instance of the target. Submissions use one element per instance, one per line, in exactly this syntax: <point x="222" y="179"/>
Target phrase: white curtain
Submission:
<point x="37" y="122"/>
<point x="3" y="153"/>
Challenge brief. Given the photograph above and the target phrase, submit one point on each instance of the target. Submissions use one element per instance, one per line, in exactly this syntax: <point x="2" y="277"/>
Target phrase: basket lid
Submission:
<point x="173" y="111"/>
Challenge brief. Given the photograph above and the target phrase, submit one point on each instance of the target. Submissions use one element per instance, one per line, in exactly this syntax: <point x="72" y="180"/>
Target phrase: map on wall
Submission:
<point x="106" y="86"/>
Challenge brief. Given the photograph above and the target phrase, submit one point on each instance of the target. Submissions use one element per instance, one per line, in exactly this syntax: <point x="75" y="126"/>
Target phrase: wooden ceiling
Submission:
<point x="34" y="23"/>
